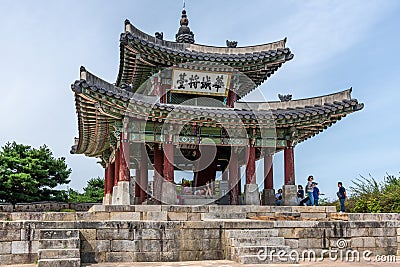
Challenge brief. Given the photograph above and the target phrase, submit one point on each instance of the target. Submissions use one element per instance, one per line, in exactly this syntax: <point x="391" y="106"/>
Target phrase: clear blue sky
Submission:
<point x="337" y="45"/>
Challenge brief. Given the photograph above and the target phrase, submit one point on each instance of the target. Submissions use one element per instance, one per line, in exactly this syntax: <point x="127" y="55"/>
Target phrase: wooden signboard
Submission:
<point x="200" y="82"/>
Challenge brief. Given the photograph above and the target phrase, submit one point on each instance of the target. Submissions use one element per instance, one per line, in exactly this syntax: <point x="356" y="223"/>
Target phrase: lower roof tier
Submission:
<point x="104" y="110"/>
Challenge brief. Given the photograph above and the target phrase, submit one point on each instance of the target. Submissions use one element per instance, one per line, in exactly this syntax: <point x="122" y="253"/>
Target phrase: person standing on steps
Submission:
<point x="310" y="190"/>
<point x="208" y="190"/>
<point x="316" y="193"/>
<point x="342" y="196"/>
<point x="278" y="197"/>
<point x="300" y="194"/>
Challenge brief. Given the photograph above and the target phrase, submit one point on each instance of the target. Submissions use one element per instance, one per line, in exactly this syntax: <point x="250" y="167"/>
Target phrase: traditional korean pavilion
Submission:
<point x="176" y="105"/>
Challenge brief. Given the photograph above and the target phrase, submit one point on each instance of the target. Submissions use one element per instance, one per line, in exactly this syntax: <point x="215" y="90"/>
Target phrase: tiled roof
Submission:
<point x="143" y="55"/>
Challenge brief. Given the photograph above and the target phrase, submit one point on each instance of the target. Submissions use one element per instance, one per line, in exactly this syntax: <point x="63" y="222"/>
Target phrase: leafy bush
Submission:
<point x="370" y="196"/>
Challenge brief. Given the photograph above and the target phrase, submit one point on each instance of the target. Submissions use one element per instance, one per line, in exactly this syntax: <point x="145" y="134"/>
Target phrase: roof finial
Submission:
<point x="184" y="34"/>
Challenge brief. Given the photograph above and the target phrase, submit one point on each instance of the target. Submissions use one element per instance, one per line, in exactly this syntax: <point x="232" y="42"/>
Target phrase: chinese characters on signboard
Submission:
<point x="199" y="82"/>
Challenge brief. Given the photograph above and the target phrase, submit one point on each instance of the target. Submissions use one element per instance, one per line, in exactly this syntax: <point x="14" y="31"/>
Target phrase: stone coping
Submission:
<point x="211" y="208"/>
<point x="208" y="213"/>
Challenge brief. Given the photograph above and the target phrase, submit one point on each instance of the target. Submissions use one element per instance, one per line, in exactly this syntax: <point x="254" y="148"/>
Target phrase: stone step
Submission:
<point x="253" y="233"/>
<point x="223" y="215"/>
<point x="287" y="214"/>
<point x="72" y="243"/>
<point x="264" y="250"/>
<point x="254" y="259"/>
<point x="58" y="253"/>
<point x="198" y="201"/>
<point x="72" y="262"/>
<point x="260" y="241"/>
<point x="58" y="233"/>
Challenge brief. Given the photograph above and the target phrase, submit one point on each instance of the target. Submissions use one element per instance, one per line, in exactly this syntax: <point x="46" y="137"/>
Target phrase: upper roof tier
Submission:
<point x="142" y="55"/>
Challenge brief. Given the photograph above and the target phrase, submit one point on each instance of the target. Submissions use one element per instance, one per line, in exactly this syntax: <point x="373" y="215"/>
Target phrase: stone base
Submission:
<point x="289" y="195"/>
<point x="251" y="195"/>
<point x="114" y="200"/>
<point x="137" y="200"/>
<point x="107" y="199"/>
<point x="168" y="195"/>
<point x="269" y="197"/>
<point x="123" y="194"/>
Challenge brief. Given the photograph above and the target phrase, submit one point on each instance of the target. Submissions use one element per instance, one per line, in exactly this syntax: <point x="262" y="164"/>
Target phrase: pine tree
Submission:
<point x="28" y="174"/>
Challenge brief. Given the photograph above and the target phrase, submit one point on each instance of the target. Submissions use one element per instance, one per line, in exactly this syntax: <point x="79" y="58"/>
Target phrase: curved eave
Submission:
<point x="94" y="124"/>
<point x="99" y="107"/>
<point x="142" y="55"/>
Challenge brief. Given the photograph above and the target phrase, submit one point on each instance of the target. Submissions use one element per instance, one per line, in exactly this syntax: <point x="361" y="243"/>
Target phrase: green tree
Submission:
<point x="28" y="174"/>
<point x="92" y="193"/>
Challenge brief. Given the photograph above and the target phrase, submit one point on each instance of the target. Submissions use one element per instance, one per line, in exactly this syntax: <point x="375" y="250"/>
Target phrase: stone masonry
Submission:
<point x="187" y="233"/>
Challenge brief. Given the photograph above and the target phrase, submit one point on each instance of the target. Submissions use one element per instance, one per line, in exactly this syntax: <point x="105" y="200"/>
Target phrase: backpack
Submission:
<point x="340" y="196"/>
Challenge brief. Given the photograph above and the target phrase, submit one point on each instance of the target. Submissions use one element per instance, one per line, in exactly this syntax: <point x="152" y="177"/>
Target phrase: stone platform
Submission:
<point x="150" y="233"/>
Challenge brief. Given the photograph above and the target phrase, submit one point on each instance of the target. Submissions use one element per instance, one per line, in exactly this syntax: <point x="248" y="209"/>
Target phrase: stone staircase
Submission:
<point x="196" y="200"/>
<point x="256" y="246"/>
<point x="59" y="248"/>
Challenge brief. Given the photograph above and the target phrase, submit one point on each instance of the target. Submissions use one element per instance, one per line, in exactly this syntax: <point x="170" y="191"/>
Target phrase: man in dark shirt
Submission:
<point x="316" y="194"/>
<point x="342" y="196"/>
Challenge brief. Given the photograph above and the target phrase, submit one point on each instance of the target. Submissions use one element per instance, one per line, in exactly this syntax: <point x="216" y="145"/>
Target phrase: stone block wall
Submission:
<point x="151" y="241"/>
<point x="398" y="241"/>
<point x="44" y="206"/>
<point x="182" y="233"/>
<point x="18" y="243"/>
<point x="6" y="208"/>
<point x="379" y="237"/>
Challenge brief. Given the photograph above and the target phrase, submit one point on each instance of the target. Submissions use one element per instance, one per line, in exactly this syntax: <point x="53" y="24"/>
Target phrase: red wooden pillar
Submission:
<point x="110" y="178"/>
<point x="239" y="190"/>
<point x="124" y="159"/>
<point x="231" y="99"/>
<point x="158" y="172"/>
<point x="144" y="173"/>
<point x="268" y="171"/>
<point x="206" y="172"/>
<point x="105" y="180"/>
<point x="251" y="165"/>
<point x="289" y="165"/>
<point x="225" y="175"/>
<point x="137" y="186"/>
<point x="168" y="170"/>
<point x="234" y="179"/>
<point x="117" y="166"/>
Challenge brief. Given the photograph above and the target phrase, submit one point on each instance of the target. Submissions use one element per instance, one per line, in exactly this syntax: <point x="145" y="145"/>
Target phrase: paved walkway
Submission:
<point x="225" y="263"/>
